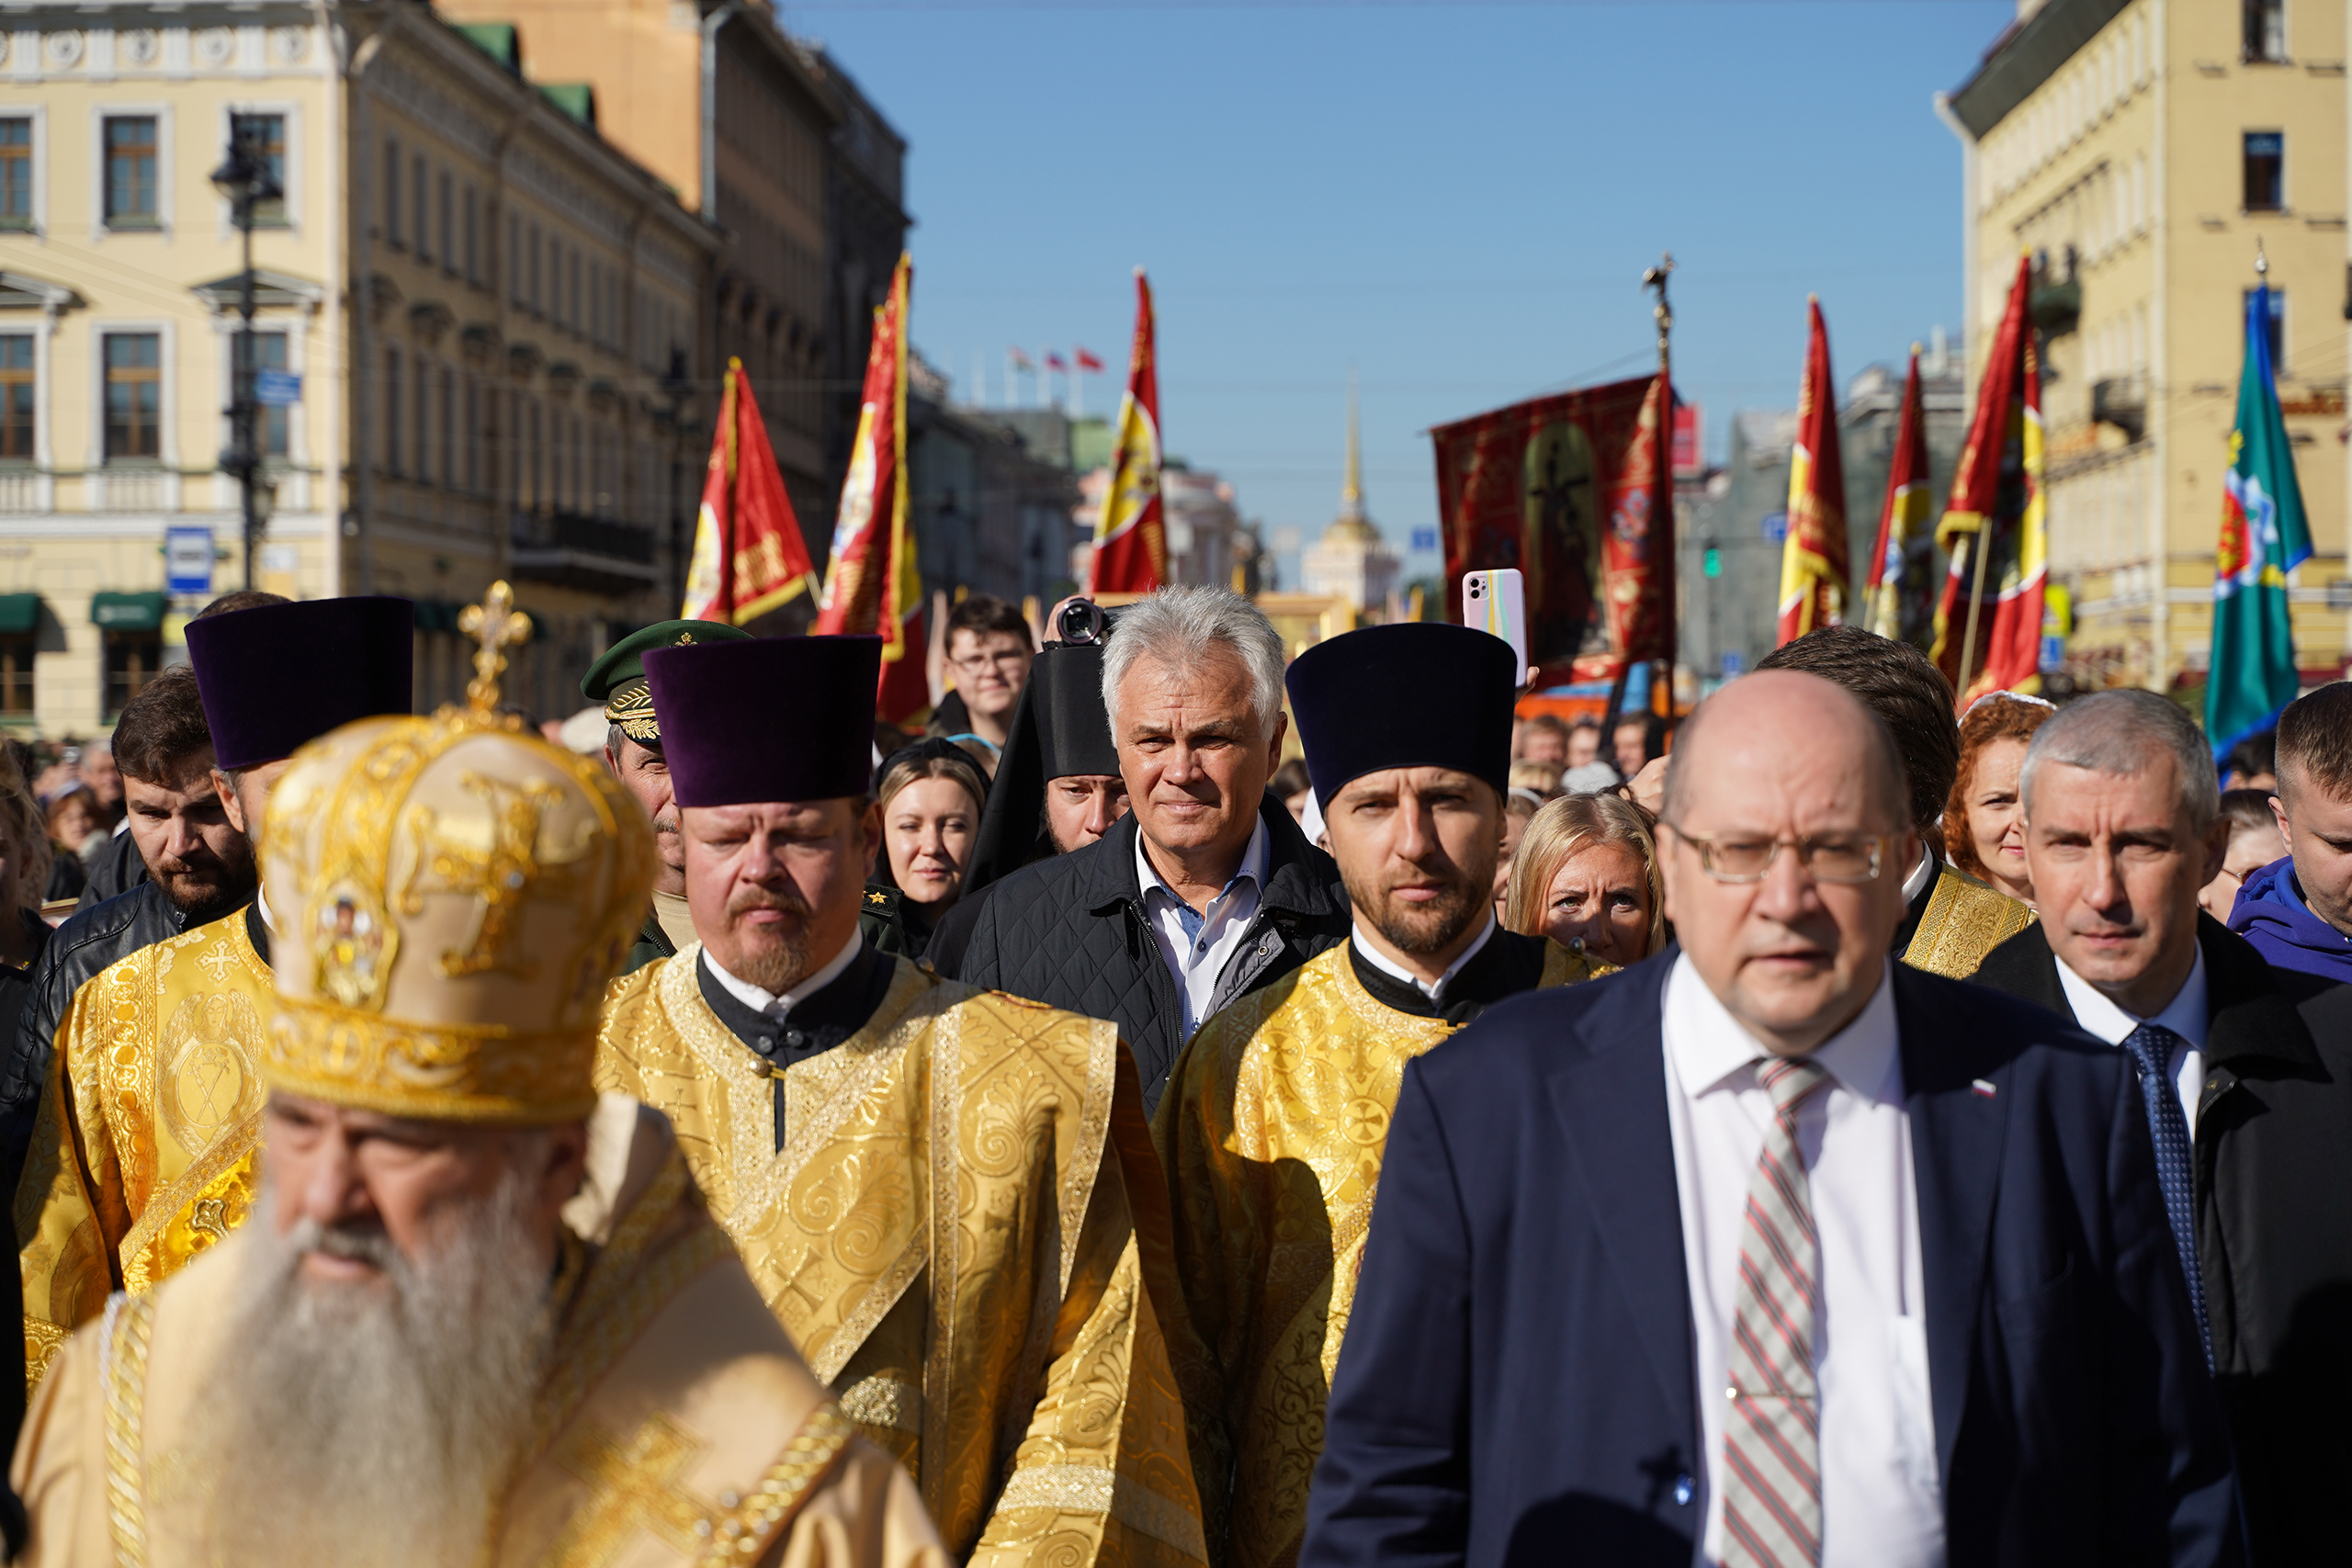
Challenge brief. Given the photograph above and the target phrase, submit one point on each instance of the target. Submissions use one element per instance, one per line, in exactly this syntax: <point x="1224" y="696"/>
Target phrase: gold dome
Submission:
<point x="452" y="897"/>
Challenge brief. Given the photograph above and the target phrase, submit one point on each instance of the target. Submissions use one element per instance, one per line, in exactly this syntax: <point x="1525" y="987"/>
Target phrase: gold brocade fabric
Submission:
<point x="1964" y="920"/>
<point x="143" y="1149"/>
<point x="676" y="1425"/>
<point x="1270" y="1135"/>
<point x="950" y="1236"/>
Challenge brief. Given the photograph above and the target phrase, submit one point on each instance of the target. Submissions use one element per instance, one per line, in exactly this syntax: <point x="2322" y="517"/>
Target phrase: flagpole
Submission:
<point x="1662" y="314"/>
<point x="1980" y="546"/>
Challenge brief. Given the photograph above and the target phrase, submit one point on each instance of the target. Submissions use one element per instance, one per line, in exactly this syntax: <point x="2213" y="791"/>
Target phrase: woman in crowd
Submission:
<point x="24" y="880"/>
<point x="931" y="795"/>
<point x="70" y="818"/>
<point x="2255" y="843"/>
<point x="1983" y="823"/>
<point x="1586" y="876"/>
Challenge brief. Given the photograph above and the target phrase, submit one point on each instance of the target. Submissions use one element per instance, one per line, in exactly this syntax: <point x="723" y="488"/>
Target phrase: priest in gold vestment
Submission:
<point x="143" y="1148"/>
<point x="1272" y="1129"/>
<point x="481" y="1316"/>
<point x="948" y="1197"/>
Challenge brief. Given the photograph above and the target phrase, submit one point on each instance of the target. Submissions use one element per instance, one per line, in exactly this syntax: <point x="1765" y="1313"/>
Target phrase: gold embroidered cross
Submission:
<point x="498" y="626"/>
<point x="630" y="1485"/>
<point x="217" y="963"/>
<point x="499" y="874"/>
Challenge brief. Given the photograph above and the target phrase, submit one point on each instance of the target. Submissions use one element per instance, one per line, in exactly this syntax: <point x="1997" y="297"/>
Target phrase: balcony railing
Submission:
<point x="590" y="553"/>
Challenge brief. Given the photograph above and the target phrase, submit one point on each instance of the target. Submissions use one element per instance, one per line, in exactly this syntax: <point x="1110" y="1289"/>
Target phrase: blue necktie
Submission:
<point x="2150" y="1046"/>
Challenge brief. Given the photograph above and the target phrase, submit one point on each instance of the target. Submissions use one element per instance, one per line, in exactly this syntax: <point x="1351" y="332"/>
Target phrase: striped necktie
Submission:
<point x="1772" y="1476"/>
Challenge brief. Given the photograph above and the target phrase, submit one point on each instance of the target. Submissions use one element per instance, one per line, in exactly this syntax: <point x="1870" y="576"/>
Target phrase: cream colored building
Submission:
<point x="1351" y="561"/>
<point x="2139" y="151"/>
<point x="490" y="310"/>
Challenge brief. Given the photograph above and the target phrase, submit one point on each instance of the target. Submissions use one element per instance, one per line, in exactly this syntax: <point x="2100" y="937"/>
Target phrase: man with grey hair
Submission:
<point x="1206" y="890"/>
<point x="2249" y="1098"/>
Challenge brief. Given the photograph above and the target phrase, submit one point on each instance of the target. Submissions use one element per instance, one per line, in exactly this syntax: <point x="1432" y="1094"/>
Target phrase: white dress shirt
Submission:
<point x="1434" y="989"/>
<point x="2183" y="1015"/>
<point x="1881" y="1503"/>
<point x="1197" y="946"/>
<point x="768" y="1002"/>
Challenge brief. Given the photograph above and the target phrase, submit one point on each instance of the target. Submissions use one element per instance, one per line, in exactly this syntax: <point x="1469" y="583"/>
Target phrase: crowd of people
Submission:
<point x="1190" y="1104"/>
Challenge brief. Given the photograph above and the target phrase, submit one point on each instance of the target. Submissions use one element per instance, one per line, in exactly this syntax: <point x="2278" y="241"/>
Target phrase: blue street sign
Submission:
<point x="2054" y="653"/>
<point x="1425" y="539"/>
<point x="1734" y="662"/>
<point x="277" y="389"/>
<point x="187" y="561"/>
<point x="1776" y="528"/>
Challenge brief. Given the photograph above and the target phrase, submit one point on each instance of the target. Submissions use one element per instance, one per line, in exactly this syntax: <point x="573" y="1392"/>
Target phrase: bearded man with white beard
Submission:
<point x="479" y="1315"/>
<point x="1277" y="1112"/>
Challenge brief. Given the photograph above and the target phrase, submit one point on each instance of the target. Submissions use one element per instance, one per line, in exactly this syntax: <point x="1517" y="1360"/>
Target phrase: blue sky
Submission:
<point x="1455" y="199"/>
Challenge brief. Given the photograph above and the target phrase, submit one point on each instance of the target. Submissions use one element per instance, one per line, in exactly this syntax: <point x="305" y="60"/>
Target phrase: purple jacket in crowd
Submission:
<point x="2271" y="914"/>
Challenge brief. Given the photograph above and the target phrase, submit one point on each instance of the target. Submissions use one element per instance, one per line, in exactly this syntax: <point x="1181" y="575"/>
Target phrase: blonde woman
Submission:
<point x="931" y="795"/>
<point x="1586" y="876"/>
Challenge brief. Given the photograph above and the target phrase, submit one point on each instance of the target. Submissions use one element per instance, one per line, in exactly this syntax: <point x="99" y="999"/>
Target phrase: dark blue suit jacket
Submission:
<point x="1516" y="1385"/>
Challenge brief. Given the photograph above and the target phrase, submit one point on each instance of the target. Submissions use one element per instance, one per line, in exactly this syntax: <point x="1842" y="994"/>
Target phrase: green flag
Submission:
<point x="2264" y="535"/>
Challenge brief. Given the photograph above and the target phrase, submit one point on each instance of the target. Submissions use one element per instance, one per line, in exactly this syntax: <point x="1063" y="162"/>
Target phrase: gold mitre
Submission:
<point x="451" y="894"/>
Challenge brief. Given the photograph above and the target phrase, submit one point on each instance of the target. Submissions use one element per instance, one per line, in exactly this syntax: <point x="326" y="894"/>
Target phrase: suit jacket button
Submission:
<point x="1684" y="1490"/>
<point x="794" y="1038"/>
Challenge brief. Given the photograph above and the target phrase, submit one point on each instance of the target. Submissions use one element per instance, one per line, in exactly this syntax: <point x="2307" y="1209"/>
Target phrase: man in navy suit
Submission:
<point x="1769" y="1251"/>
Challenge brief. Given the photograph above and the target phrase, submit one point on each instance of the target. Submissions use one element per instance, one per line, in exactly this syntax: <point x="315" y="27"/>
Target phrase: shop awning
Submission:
<point x="19" y="612"/>
<point x="128" y="612"/>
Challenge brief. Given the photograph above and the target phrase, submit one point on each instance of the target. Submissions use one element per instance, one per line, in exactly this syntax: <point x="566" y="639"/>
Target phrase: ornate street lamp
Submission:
<point x="246" y="180"/>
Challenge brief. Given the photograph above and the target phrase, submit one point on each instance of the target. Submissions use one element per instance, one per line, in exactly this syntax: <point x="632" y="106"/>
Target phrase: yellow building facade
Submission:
<point x="2139" y="151"/>
<point x="490" y="313"/>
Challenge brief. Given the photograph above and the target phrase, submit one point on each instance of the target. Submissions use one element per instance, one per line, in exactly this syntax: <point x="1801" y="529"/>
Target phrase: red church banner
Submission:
<point x="1575" y="491"/>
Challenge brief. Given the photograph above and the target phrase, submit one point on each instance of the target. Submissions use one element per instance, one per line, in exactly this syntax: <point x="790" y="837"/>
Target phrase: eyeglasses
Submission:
<point x="976" y="662"/>
<point x="1829" y="857"/>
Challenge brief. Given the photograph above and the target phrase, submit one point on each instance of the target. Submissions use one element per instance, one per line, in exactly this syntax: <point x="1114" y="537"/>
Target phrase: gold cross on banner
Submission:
<point x="631" y="1486"/>
<point x="498" y="626"/>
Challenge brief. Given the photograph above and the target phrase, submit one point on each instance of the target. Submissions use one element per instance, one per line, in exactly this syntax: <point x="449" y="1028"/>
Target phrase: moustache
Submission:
<point x="751" y="898"/>
<point x="371" y="1246"/>
<point x="667" y="824"/>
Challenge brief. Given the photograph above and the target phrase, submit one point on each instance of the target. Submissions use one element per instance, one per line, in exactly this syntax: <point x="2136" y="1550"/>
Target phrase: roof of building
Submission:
<point x="2025" y="56"/>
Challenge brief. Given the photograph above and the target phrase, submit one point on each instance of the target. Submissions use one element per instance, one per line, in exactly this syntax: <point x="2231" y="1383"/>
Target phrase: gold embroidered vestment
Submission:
<point x="676" y="1423"/>
<point x="1270" y="1135"/>
<point x="950" y="1236"/>
<point x="144" y="1150"/>
<point x="1964" y="920"/>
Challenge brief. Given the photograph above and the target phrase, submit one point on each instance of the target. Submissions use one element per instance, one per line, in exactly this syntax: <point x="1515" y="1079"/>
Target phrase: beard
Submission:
<point x="373" y="1425"/>
<point x="778" y="958"/>
<point x="1430" y="926"/>
<point x="208" y="887"/>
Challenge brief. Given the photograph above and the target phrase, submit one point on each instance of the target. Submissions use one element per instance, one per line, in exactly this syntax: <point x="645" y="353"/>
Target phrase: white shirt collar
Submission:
<point x="1709" y="1044"/>
<point x="1253" y="868"/>
<point x="1432" y="990"/>
<point x="2183" y="1015"/>
<point x="261" y="902"/>
<point x="1921" y="874"/>
<point x="776" y="1007"/>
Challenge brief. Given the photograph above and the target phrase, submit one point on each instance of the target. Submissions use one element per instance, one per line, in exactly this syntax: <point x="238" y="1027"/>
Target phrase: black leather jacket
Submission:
<point x="89" y="942"/>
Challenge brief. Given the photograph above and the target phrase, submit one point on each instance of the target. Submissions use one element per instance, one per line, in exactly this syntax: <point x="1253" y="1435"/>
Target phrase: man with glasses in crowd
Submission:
<point x="989" y="647"/>
<point x="1777" y="1250"/>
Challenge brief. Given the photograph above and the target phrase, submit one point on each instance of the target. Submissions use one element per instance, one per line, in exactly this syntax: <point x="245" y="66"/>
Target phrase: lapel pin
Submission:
<point x="1983" y="1086"/>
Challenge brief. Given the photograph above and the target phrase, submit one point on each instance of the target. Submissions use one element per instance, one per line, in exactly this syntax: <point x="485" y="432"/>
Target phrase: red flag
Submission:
<point x="871" y="585"/>
<point x="1815" y="568"/>
<point x="1086" y="360"/>
<point x="1989" y="625"/>
<point x="1896" y="603"/>
<point x="746" y="520"/>
<point x="1130" y="544"/>
<point x="1575" y="492"/>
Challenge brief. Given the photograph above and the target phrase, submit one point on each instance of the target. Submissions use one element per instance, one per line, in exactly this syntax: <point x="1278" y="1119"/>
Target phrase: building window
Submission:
<point x="422" y="189"/>
<point x="131" y="171"/>
<point x="536" y="297"/>
<point x="392" y="411"/>
<point x="392" y="194"/>
<point x="134" y="363"/>
<point x="17" y="172"/>
<point x="2266" y="171"/>
<point x="2278" y="327"/>
<point x="514" y="258"/>
<point x="473" y="236"/>
<point x="2266" y="29"/>
<point x="133" y="658"/>
<point x="269" y="353"/>
<point x="266" y="133"/>
<point x="449" y="430"/>
<point x="424" y="422"/>
<point x="16" y="674"/>
<point x="449" y="230"/>
<point x="17" y="391"/>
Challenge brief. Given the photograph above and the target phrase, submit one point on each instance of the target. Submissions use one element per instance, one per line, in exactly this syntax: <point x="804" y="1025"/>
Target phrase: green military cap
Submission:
<point x="617" y="677"/>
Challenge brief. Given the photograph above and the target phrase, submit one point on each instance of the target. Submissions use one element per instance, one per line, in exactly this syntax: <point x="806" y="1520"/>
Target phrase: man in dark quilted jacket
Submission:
<point x="1206" y="890"/>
